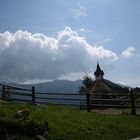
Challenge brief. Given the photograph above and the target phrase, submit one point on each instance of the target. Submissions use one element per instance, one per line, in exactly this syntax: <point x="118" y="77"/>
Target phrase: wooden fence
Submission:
<point x="119" y="100"/>
<point x="14" y="93"/>
<point x="87" y="101"/>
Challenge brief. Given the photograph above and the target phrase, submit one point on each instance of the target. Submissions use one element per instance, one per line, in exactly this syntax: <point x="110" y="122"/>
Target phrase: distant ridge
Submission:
<point x="57" y="86"/>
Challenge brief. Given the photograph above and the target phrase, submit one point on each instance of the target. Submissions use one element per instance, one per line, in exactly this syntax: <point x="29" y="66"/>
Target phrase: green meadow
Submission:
<point x="67" y="123"/>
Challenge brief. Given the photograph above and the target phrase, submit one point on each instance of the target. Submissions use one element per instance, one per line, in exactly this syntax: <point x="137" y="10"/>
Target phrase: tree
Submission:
<point x="87" y="84"/>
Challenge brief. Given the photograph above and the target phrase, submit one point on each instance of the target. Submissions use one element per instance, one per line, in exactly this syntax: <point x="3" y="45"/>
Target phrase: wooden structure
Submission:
<point x="84" y="101"/>
<point x="101" y="85"/>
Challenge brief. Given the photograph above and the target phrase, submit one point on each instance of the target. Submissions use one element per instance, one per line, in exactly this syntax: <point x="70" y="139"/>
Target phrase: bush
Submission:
<point x="29" y="129"/>
<point x="32" y="129"/>
<point x="2" y="113"/>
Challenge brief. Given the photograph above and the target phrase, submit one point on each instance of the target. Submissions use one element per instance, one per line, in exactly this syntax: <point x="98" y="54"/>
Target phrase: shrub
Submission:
<point x="2" y="113"/>
<point x="29" y="129"/>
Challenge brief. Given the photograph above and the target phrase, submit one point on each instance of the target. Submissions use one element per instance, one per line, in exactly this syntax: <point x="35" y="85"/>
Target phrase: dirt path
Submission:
<point x="115" y="111"/>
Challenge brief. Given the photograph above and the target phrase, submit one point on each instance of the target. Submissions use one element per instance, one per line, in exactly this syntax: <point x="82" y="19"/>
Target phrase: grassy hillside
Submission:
<point x="74" y="124"/>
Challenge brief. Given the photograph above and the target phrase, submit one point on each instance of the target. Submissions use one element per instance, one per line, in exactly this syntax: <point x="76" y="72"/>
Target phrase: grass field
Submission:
<point x="73" y="124"/>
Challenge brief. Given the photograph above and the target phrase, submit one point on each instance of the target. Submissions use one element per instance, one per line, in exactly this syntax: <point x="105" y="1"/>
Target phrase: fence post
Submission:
<point x="3" y="91"/>
<point x="33" y="94"/>
<point x="133" y="109"/>
<point x="88" y="101"/>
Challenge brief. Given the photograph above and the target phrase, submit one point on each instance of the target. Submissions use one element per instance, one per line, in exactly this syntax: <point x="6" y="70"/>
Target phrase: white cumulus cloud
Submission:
<point x="128" y="52"/>
<point x="26" y="57"/>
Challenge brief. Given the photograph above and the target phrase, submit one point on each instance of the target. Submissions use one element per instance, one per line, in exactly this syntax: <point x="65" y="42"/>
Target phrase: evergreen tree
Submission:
<point x="87" y="84"/>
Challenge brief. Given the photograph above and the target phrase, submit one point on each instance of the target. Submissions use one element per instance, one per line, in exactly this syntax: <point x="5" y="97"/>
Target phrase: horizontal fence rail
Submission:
<point x="58" y="93"/>
<point x="14" y="87"/>
<point x="89" y="101"/>
<point x="60" y="99"/>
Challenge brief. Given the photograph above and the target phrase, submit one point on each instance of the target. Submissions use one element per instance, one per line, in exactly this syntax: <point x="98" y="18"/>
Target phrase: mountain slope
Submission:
<point x="58" y="86"/>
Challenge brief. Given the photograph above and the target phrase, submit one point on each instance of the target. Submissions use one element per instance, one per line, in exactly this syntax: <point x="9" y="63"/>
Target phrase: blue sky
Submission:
<point x="112" y="24"/>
